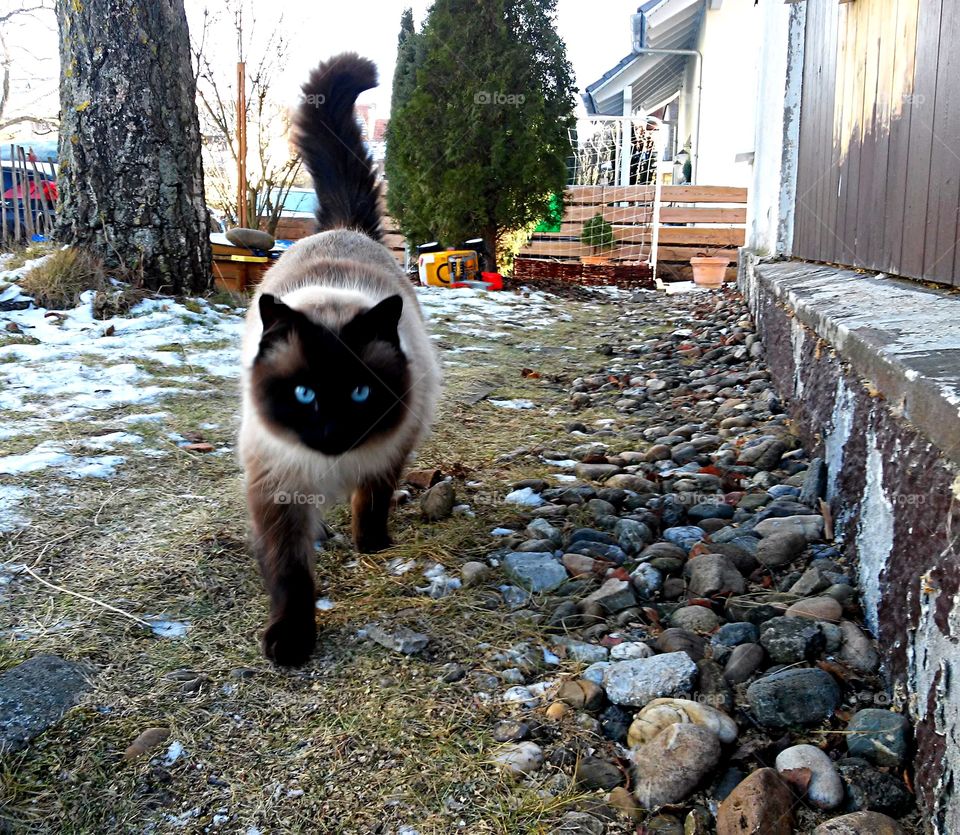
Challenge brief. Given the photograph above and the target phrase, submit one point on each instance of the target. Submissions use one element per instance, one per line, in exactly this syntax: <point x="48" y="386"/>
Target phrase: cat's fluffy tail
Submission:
<point x="327" y="135"/>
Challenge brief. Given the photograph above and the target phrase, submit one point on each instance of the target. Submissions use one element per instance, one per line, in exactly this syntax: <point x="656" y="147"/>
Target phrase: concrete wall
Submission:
<point x="869" y="367"/>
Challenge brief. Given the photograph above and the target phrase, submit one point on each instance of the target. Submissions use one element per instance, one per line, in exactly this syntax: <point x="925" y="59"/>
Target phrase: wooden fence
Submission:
<point x="292" y="229"/>
<point x="29" y="196"/>
<point x="692" y="219"/>
<point x="877" y="183"/>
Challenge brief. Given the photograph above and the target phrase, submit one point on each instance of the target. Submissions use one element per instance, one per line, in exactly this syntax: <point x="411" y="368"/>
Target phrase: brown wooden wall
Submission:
<point x="878" y="181"/>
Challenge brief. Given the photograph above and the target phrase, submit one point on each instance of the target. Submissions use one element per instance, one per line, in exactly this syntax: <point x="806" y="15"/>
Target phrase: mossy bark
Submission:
<point x="131" y="178"/>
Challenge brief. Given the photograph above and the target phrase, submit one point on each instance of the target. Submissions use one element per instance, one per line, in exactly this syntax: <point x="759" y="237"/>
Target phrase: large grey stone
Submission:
<point x="713" y="574"/>
<point x="880" y="736"/>
<point x="668" y="768"/>
<point x="640" y="680"/>
<point x="537" y="571"/>
<point x="34" y="695"/>
<point x="793" y="697"/>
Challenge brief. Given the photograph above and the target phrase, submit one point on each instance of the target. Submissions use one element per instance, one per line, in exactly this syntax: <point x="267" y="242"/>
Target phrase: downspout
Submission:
<point x="695" y="151"/>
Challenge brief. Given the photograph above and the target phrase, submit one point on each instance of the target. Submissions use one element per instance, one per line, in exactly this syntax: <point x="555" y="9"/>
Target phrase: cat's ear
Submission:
<point x="379" y="323"/>
<point x="275" y="316"/>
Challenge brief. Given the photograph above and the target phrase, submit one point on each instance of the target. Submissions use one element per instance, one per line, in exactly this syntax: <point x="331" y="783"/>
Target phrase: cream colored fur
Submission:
<point x="330" y="277"/>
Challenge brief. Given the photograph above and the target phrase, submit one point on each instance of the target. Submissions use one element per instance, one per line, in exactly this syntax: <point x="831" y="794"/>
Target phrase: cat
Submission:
<point x="339" y="378"/>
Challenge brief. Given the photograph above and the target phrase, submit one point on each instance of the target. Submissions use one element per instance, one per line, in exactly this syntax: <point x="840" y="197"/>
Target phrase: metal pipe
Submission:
<point x="645" y="50"/>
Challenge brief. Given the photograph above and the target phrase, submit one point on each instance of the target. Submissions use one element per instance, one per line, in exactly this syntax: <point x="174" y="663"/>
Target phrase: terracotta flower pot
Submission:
<point x="709" y="270"/>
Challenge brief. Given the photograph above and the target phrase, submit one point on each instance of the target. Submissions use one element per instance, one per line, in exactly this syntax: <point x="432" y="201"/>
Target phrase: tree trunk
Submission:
<point x="490" y="240"/>
<point x="131" y="177"/>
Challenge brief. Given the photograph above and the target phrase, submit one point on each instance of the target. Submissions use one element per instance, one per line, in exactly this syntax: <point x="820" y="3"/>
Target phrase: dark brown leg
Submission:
<point x="283" y="541"/>
<point x="371" y="510"/>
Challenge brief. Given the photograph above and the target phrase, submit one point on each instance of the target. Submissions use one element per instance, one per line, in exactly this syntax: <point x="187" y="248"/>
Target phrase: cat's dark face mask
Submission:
<point x="335" y="391"/>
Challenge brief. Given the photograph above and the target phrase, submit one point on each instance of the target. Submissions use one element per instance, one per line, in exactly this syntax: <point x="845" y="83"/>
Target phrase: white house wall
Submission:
<point x="730" y="43"/>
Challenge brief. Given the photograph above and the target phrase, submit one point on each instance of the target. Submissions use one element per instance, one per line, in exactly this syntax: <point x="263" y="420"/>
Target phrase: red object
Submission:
<point x="49" y="191"/>
<point x="494" y="281"/>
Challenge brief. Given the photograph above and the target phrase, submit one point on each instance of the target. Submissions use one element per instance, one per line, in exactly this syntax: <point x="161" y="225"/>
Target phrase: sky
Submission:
<point x="596" y="32"/>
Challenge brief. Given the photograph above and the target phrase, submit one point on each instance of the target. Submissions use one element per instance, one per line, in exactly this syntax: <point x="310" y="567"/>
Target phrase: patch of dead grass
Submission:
<point x="57" y="282"/>
<point x="360" y="740"/>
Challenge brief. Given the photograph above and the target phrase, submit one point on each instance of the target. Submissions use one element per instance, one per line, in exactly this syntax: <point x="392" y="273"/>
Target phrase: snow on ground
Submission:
<point x="60" y="368"/>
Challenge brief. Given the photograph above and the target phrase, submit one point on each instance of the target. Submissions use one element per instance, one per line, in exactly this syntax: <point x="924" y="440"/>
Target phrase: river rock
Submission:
<point x="743" y="662"/>
<point x="595" y="472"/>
<point x="810" y="771"/>
<point x="870" y="790"/>
<point x="857" y="650"/>
<point x="630" y="649"/>
<point x="581" y="694"/>
<point x="810" y="527"/>
<point x="778" y="549"/>
<point x="761" y="805"/>
<point x="694" y="618"/>
<point x="860" y="823"/>
<point x="614" y="595"/>
<point x="596" y="773"/>
<point x="791" y="640"/>
<point x="660" y="713"/>
<point x="880" y="736"/>
<point x="537" y="572"/>
<point x="669" y="767"/>
<point x="793" y="697"/>
<point x="437" y="502"/>
<point x="34" y="695"/>
<point x="816" y="608"/>
<point x="520" y="759"/>
<point x="713" y="574"/>
<point x="638" y="681"/>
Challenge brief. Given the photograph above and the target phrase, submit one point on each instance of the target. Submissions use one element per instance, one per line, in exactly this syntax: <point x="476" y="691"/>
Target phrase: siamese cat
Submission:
<point x="340" y="380"/>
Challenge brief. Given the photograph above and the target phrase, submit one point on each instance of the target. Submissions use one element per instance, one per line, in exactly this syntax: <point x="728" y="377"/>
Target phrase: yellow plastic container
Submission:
<point x="441" y="269"/>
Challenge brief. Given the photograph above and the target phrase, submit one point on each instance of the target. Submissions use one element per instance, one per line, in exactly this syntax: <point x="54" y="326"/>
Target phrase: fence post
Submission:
<point x="46" y="203"/>
<point x="27" y="197"/>
<point x="15" y="200"/>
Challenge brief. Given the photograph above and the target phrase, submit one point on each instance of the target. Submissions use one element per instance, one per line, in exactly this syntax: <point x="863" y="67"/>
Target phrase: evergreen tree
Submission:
<point x="399" y="163"/>
<point x="482" y="141"/>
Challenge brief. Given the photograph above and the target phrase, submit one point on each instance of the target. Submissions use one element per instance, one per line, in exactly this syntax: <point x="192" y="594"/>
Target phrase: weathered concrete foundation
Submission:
<point x="871" y="368"/>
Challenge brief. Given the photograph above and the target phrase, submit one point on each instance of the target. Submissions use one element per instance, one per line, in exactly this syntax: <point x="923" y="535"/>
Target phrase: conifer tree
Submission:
<point x="482" y="141"/>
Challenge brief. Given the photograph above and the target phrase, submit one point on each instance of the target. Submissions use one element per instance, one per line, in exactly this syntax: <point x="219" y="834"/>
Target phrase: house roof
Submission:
<point x="654" y="79"/>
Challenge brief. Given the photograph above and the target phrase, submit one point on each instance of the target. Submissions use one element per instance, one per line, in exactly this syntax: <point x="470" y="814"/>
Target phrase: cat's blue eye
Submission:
<point x="304" y="394"/>
<point x="360" y="394"/>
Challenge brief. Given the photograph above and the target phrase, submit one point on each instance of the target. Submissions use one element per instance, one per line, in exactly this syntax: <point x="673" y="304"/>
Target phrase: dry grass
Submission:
<point x="57" y="282"/>
<point x="358" y="741"/>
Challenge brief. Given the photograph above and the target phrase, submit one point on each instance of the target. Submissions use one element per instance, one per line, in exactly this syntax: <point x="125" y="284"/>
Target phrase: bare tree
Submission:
<point x="9" y="61"/>
<point x="274" y="166"/>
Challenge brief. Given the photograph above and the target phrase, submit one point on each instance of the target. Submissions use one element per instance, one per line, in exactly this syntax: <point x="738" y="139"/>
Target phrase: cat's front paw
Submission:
<point x="370" y="543"/>
<point x="289" y="641"/>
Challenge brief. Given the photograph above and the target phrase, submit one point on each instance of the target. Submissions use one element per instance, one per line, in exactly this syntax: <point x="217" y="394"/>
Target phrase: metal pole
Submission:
<point x="242" y="219"/>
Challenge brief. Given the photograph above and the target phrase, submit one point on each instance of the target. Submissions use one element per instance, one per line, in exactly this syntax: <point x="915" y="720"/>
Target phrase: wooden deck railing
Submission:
<point x="692" y="219"/>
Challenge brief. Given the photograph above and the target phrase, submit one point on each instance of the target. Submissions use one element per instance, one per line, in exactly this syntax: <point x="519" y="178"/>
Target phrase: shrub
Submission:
<point x="597" y="233"/>
<point x="58" y="281"/>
